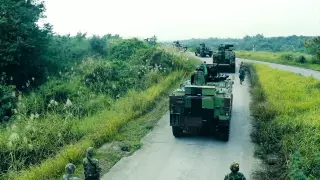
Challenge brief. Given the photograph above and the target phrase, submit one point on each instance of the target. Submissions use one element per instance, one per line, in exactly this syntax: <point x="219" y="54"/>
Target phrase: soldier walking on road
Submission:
<point x="235" y="174"/>
<point x="242" y="72"/>
<point x="91" y="166"/>
<point x="70" y="168"/>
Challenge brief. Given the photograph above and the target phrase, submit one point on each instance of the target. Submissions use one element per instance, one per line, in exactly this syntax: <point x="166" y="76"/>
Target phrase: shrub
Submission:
<point x="99" y="45"/>
<point x="287" y="56"/>
<point x="315" y="60"/>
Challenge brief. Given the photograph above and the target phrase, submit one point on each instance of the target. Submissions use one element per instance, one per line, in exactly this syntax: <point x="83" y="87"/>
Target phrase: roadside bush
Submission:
<point x="287" y="56"/>
<point x="8" y="102"/>
<point x="123" y="49"/>
<point x="315" y="60"/>
<point x="99" y="45"/>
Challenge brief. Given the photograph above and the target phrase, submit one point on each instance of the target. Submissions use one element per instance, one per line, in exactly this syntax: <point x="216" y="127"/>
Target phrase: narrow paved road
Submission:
<point x="164" y="157"/>
<point x="297" y="70"/>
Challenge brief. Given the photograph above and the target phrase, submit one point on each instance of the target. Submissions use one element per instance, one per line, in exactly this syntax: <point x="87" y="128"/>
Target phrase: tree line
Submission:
<point x="305" y="44"/>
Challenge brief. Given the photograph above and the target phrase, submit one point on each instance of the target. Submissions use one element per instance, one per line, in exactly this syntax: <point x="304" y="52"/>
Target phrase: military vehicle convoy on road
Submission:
<point x="203" y="104"/>
<point x="203" y="51"/>
<point x="226" y="58"/>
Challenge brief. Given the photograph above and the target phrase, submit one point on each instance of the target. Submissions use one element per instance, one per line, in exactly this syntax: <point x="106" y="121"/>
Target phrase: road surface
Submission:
<point x="164" y="157"/>
<point x="297" y="70"/>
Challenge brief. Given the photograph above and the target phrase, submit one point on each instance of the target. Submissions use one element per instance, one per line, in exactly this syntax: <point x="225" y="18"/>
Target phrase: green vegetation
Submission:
<point x="288" y="58"/>
<point x="71" y="92"/>
<point x="127" y="140"/>
<point x="287" y="124"/>
<point x="54" y="124"/>
<point x="257" y="42"/>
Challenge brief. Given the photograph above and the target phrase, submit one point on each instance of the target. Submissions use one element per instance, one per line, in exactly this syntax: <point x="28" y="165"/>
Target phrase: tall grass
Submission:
<point x="100" y="128"/>
<point x="289" y="58"/>
<point x="286" y="107"/>
<point x="54" y="124"/>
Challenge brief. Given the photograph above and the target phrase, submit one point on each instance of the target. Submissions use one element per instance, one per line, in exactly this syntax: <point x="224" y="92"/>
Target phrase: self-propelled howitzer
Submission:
<point x="203" y="103"/>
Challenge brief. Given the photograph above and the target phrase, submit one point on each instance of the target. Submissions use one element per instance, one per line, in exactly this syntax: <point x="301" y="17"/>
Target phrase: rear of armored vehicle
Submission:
<point x="225" y="58"/>
<point x="230" y="58"/>
<point x="201" y="109"/>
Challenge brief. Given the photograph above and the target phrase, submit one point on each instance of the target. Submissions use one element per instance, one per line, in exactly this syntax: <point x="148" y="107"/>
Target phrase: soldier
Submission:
<point x="91" y="166"/>
<point x="235" y="174"/>
<point x="242" y="72"/>
<point x="241" y="64"/>
<point x="70" y="170"/>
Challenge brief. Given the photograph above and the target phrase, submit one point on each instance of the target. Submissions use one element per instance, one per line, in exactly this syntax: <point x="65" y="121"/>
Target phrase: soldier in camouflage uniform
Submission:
<point x="242" y="72"/>
<point x="91" y="166"/>
<point x="70" y="168"/>
<point x="235" y="174"/>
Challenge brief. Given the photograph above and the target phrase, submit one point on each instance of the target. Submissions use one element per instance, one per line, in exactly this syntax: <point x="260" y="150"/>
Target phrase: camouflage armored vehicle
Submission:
<point x="179" y="46"/>
<point x="203" y="104"/>
<point x="203" y="51"/>
<point x="226" y="58"/>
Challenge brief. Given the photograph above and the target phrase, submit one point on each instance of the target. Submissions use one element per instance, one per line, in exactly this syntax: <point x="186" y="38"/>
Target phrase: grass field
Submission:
<point x="288" y="58"/>
<point x="286" y="108"/>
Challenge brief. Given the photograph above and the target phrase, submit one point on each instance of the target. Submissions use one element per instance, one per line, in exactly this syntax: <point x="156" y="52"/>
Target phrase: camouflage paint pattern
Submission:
<point x="225" y="57"/>
<point x="203" y="51"/>
<point x="198" y="106"/>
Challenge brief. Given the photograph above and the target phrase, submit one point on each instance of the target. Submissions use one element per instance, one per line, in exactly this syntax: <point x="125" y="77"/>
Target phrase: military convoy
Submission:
<point x="226" y="58"/>
<point x="203" y="51"/>
<point x="203" y="104"/>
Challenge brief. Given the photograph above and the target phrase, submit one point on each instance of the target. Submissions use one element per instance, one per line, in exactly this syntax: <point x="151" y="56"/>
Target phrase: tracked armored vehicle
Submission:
<point x="226" y="58"/>
<point x="203" y="104"/>
<point x="179" y="46"/>
<point x="203" y="51"/>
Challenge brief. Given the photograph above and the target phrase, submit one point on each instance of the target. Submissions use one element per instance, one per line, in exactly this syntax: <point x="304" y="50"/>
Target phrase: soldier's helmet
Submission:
<point x="234" y="167"/>
<point x="90" y="152"/>
<point x="70" y="168"/>
<point x="199" y="68"/>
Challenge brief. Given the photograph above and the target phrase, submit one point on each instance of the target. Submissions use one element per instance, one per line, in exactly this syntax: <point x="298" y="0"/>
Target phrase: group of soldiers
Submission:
<point x="92" y="169"/>
<point x="90" y="165"/>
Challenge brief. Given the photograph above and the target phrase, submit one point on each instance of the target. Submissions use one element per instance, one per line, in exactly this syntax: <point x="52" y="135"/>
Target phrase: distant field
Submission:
<point x="288" y="58"/>
<point x="286" y="110"/>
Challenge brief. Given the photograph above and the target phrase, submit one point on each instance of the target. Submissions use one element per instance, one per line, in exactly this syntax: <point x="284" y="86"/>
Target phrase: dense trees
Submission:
<point x="23" y="44"/>
<point x="257" y="43"/>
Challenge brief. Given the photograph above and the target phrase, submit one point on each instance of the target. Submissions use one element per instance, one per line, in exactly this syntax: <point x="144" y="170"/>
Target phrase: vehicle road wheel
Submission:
<point x="225" y="133"/>
<point x="234" y="68"/>
<point x="176" y="131"/>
